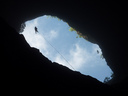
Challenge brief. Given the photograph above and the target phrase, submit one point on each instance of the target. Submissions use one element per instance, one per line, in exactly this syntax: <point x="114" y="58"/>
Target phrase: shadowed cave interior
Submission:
<point x="48" y="36"/>
<point x="25" y="69"/>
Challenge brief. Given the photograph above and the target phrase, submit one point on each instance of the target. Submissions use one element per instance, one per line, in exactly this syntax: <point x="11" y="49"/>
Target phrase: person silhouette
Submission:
<point x="36" y="30"/>
<point x="98" y="52"/>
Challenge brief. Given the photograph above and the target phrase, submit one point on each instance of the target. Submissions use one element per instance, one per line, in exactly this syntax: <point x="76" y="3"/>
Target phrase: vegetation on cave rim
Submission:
<point x="107" y="79"/>
<point x="80" y="35"/>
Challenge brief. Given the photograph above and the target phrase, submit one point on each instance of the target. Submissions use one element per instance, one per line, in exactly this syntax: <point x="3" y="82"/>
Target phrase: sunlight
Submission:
<point x="63" y="44"/>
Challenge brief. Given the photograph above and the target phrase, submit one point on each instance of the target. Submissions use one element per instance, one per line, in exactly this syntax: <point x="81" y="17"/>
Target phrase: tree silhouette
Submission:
<point x="107" y="79"/>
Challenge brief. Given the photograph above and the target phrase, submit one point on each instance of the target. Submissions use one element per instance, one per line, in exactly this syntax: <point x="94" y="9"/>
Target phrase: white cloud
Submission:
<point x="58" y="58"/>
<point x="51" y="35"/>
<point x="77" y="57"/>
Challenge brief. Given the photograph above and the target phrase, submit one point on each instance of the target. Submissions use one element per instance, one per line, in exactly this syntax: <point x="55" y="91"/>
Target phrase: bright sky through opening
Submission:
<point x="53" y="35"/>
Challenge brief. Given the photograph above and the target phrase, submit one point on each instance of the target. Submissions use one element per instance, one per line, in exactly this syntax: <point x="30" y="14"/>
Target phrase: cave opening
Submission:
<point x="63" y="44"/>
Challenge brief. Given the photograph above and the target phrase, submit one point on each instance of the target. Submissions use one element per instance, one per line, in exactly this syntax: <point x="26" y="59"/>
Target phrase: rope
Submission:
<point x="58" y="52"/>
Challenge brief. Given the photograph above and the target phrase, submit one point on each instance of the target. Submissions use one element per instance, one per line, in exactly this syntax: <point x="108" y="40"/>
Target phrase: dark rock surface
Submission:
<point x="26" y="68"/>
<point x="26" y="71"/>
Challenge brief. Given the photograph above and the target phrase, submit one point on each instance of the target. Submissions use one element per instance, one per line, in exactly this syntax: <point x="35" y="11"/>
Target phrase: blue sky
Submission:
<point x="80" y="54"/>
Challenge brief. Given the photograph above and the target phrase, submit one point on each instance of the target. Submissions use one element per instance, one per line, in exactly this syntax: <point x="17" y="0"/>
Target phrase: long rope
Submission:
<point x="58" y="52"/>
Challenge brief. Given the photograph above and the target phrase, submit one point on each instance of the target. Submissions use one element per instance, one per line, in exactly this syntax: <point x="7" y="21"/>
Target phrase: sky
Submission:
<point x="58" y="44"/>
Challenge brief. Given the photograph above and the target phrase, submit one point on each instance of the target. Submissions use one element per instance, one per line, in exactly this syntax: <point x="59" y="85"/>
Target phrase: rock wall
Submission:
<point x="103" y="22"/>
<point x="26" y="71"/>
